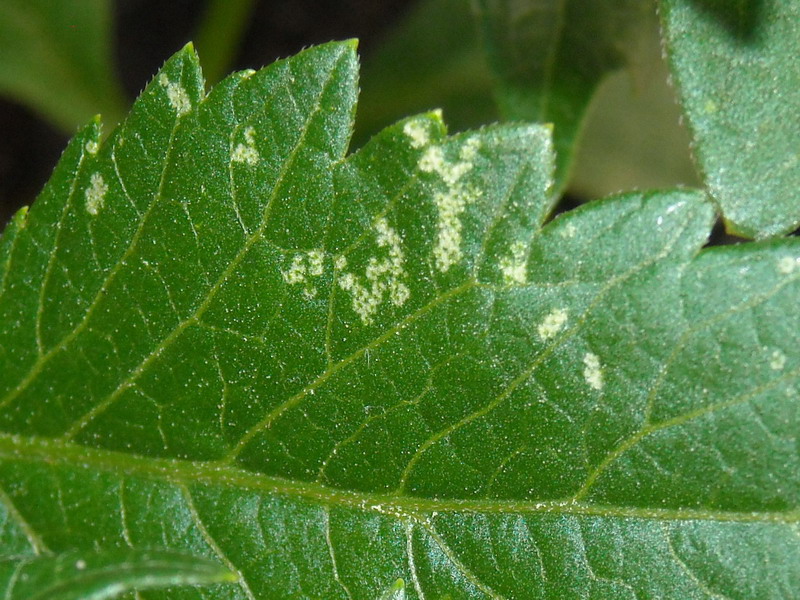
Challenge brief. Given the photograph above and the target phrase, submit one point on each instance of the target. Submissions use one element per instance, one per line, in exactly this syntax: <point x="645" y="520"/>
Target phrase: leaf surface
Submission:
<point x="379" y="375"/>
<point x="737" y="74"/>
<point x="56" y="58"/>
<point x="100" y="575"/>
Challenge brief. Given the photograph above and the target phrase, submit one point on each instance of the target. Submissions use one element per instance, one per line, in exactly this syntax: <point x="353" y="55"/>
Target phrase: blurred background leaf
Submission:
<point x="548" y="57"/>
<point x="56" y="57"/>
<point x="736" y="67"/>
<point x="633" y="137"/>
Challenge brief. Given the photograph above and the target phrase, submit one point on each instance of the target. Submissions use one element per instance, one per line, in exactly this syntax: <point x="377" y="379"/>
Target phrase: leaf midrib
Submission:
<point x="53" y="452"/>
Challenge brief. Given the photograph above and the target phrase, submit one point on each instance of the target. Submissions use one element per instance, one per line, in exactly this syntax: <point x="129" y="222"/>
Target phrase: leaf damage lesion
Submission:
<point x="178" y="98"/>
<point x="385" y="275"/>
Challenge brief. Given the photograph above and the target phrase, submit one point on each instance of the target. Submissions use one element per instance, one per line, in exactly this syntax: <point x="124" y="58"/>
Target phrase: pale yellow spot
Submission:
<point x="246" y="153"/>
<point x="777" y="360"/>
<point x="296" y="273"/>
<point x="514" y="267"/>
<point x="417" y="131"/>
<point x="315" y="262"/>
<point x="432" y="160"/>
<point x="91" y="147"/>
<point x="568" y="231"/>
<point x="552" y="323"/>
<point x="398" y="292"/>
<point x="340" y="263"/>
<point x="178" y="98"/>
<point x="95" y="194"/>
<point x="788" y="264"/>
<point x="592" y="372"/>
<point x="302" y="268"/>
<point x="451" y="205"/>
<point x="469" y="150"/>
<point x="452" y="202"/>
<point x="384" y="276"/>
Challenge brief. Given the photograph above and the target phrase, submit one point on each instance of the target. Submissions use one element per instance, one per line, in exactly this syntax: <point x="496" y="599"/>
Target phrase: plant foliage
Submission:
<point x="736" y="68"/>
<point x="382" y="374"/>
<point x="56" y="57"/>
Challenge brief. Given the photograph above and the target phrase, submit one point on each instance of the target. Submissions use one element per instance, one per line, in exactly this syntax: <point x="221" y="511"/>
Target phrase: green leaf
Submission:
<point x="379" y="375"/>
<point x="549" y="57"/>
<point x="100" y="575"/>
<point x="56" y="58"/>
<point x="735" y="64"/>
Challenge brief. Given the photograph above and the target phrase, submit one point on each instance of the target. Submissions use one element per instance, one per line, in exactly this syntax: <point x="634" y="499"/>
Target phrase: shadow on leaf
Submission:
<point x="739" y="17"/>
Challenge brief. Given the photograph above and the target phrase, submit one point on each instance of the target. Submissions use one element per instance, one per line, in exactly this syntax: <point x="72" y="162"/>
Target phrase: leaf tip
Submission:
<point x="396" y="591"/>
<point x="226" y="576"/>
<point x="17" y="222"/>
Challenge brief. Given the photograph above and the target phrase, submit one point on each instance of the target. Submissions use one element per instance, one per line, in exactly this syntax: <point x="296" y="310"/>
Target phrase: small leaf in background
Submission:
<point x="379" y="374"/>
<point x="633" y="137"/>
<point x="549" y="57"/>
<point x="736" y="67"/>
<point x="56" y="58"/>
<point x="79" y="575"/>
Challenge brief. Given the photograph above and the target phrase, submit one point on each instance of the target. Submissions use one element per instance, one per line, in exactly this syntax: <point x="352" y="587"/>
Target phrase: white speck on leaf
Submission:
<point x="452" y="202"/>
<point x="777" y="360"/>
<point x="246" y="153"/>
<point x="552" y="323"/>
<point x="592" y="372"/>
<point x="178" y="98"/>
<point x="296" y="273"/>
<point x="80" y="564"/>
<point x="568" y="231"/>
<point x="417" y="131"/>
<point x="95" y="194"/>
<point x="340" y="263"/>
<point x="91" y="147"/>
<point x="788" y="264"/>
<point x="384" y="276"/>
<point x="514" y="267"/>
